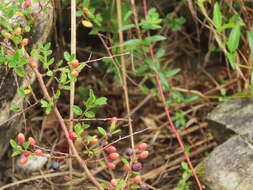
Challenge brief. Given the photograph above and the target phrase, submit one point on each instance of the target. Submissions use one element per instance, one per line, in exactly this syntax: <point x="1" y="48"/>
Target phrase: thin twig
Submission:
<point x="171" y="124"/>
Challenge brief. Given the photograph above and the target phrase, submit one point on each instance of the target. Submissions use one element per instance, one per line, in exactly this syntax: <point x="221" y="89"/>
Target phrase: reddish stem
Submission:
<point x="167" y="112"/>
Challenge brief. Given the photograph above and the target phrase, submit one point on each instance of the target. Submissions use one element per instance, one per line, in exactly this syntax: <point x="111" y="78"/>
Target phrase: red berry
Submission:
<point x="75" y="63"/>
<point x="27" y="153"/>
<point x="114" y="119"/>
<point x="24" y="42"/>
<point x="111" y="149"/>
<point x="114" y="155"/>
<point x="27" y="4"/>
<point x="137" y="179"/>
<point x="127" y="167"/>
<point x="72" y="135"/>
<point x="32" y="141"/>
<point x="9" y="52"/>
<point x="114" y="182"/>
<point x="23" y="159"/>
<point x="143" y="155"/>
<point x="38" y="152"/>
<point x="33" y="63"/>
<point x="142" y="146"/>
<point x="21" y="138"/>
<point x="110" y="165"/>
<point x="75" y="73"/>
<point x="137" y="166"/>
<point x="93" y="141"/>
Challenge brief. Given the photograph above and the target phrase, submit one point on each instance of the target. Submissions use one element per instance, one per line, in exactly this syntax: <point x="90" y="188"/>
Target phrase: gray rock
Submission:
<point x="230" y="165"/>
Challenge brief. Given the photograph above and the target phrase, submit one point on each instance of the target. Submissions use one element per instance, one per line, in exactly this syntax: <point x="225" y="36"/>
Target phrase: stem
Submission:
<point x="167" y="112"/>
<point x="72" y="83"/>
<point x="65" y="130"/>
<point x="123" y="64"/>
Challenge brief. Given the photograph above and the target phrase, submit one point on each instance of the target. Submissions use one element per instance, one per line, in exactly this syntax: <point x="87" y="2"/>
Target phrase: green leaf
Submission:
<point x="50" y="73"/>
<point x="91" y="100"/>
<point x="234" y="38"/>
<point x="67" y="56"/>
<point x="85" y="126"/>
<point x="21" y="92"/>
<point x="44" y="103"/>
<point x="26" y="145"/>
<point x="126" y="27"/>
<point x="172" y="72"/>
<point x="15" y="153"/>
<point x="116" y="131"/>
<point x="15" y="108"/>
<point x="102" y="131"/>
<point x="101" y="101"/>
<point x="13" y="144"/>
<point x="231" y="57"/>
<point x="133" y="43"/>
<point x="152" y="39"/>
<point x="89" y="114"/>
<point x="250" y="39"/>
<point x="77" y="110"/>
<point x="20" y="71"/>
<point x="217" y="16"/>
<point x="184" y="165"/>
<point x="78" y="129"/>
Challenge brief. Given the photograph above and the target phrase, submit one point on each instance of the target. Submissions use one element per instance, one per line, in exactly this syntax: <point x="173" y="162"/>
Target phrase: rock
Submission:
<point x="229" y="166"/>
<point x="10" y="122"/>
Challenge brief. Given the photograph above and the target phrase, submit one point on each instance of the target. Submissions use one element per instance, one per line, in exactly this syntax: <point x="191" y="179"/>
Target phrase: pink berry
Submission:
<point x="9" y="52"/>
<point x="21" y="138"/>
<point x="33" y="63"/>
<point x="114" y="182"/>
<point x="142" y="146"/>
<point x="143" y="155"/>
<point x="23" y="159"/>
<point x="137" y="166"/>
<point x="18" y="31"/>
<point x="114" y="155"/>
<point x="27" y="4"/>
<point x="110" y="165"/>
<point x="24" y="42"/>
<point x="38" y="152"/>
<point x="32" y="141"/>
<point x="75" y="63"/>
<point x="72" y="135"/>
<point x="111" y="149"/>
<point x="27" y="153"/>
<point x="114" y="119"/>
<point x="127" y="167"/>
<point x="75" y="73"/>
<point x="137" y="179"/>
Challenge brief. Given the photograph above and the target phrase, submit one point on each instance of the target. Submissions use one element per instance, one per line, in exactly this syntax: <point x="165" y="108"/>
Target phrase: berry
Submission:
<point x="127" y="167"/>
<point x="9" y="52"/>
<point x="137" y="166"/>
<point x="143" y="155"/>
<point x="23" y="159"/>
<point x="143" y="187"/>
<point x="114" y="155"/>
<point x="137" y="179"/>
<point x="114" y="182"/>
<point x="55" y="165"/>
<point x="94" y="140"/>
<point x="72" y="135"/>
<point x="27" y="4"/>
<point x="21" y="138"/>
<point x="75" y="63"/>
<point x="18" y="31"/>
<point x="129" y="151"/>
<point x="38" y="152"/>
<point x="110" y="165"/>
<point x="33" y="63"/>
<point x="75" y="73"/>
<point x="142" y="146"/>
<point x="114" y="119"/>
<point x="32" y="141"/>
<point x="103" y="143"/>
<point x="27" y="153"/>
<point x="24" y="42"/>
<point x="111" y="149"/>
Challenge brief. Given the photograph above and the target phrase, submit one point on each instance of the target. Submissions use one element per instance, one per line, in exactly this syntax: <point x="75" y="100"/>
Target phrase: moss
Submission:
<point x="200" y="169"/>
